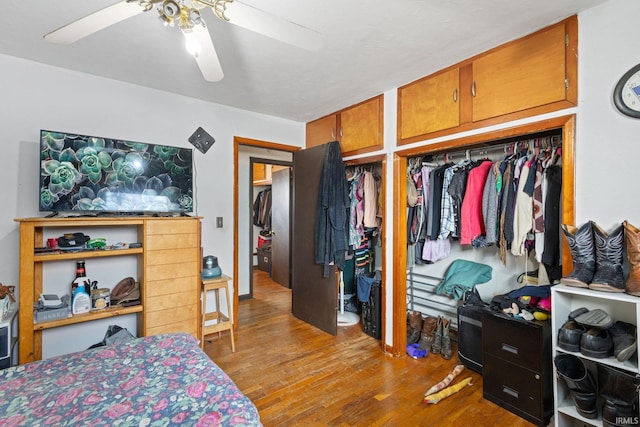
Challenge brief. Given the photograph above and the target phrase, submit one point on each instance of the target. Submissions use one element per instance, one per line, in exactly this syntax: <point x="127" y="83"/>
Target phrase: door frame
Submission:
<point x="237" y="143"/>
<point x="566" y="123"/>
<point x="261" y="161"/>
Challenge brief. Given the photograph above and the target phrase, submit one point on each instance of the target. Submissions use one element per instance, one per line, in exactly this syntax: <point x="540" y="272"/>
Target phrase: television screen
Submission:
<point x="93" y="174"/>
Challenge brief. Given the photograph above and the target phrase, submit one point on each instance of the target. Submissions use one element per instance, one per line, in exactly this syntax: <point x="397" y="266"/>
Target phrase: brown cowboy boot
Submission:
<point x="414" y="326"/>
<point x="436" y="346"/>
<point x="428" y="333"/>
<point x="632" y="237"/>
<point x="446" y="339"/>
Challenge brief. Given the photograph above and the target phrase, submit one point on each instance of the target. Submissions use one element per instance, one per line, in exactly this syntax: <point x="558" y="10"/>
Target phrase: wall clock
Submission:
<point x="626" y="95"/>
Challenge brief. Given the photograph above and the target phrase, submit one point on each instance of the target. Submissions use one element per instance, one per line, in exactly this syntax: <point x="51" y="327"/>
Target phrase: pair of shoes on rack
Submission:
<point x="598" y="257"/>
<point x="618" y="389"/>
<point x="442" y="340"/>
<point x="595" y="334"/>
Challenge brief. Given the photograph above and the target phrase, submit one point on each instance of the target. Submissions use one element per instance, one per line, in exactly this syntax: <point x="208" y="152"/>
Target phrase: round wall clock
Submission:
<point x="626" y="95"/>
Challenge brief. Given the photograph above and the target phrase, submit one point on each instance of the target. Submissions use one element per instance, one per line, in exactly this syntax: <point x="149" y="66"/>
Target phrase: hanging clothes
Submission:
<point x="332" y="214"/>
<point x="523" y="214"/>
<point x="472" y="223"/>
<point x="262" y="210"/>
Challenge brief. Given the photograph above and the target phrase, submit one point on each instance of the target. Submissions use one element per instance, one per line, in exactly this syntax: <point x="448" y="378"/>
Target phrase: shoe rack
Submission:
<point x="621" y="307"/>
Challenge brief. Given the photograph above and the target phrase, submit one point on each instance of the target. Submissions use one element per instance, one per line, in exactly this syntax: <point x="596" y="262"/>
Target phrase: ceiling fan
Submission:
<point x="186" y="15"/>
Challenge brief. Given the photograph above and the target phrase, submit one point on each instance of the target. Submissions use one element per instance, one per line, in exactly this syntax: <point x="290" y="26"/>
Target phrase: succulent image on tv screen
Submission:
<point x="95" y="174"/>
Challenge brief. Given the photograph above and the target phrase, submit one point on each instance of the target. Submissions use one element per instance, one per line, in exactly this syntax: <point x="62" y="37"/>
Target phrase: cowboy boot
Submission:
<point x="583" y="253"/>
<point x="428" y="333"/>
<point x="414" y="326"/>
<point x="609" y="254"/>
<point x="436" y="347"/>
<point x="446" y="339"/>
<point x="632" y="237"/>
<point x="619" y="389"/>
<point x="582" y="387"/>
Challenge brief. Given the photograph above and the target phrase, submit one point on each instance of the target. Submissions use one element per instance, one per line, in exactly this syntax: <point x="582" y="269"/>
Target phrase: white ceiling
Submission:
<point x="369" y="47"/>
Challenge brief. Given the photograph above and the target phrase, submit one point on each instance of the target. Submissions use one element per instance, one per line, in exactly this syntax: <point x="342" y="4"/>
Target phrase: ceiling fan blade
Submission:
<point x="205" y="53"/>
<point x="94" y="22"/>
<point x="272" y="26"/>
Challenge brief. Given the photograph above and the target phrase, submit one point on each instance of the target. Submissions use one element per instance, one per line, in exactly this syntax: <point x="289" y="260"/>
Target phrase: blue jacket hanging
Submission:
<point x="332" y="215"/>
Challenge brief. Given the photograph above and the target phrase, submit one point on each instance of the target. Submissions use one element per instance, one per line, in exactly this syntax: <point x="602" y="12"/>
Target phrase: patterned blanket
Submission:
<point x="156" y="381"/>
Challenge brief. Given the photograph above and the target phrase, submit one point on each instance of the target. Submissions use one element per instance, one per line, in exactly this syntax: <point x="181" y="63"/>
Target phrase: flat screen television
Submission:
<point x="92" y="175"/>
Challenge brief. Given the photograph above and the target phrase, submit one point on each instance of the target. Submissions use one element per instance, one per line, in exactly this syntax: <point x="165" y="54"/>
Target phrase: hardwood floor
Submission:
<point x="298" y="375"/>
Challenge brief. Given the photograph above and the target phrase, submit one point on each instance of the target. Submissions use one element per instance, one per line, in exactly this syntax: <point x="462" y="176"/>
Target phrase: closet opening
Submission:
<point x="360" y="298"/>
<point x="426" y="245"/>
<point x="362" y="289"/>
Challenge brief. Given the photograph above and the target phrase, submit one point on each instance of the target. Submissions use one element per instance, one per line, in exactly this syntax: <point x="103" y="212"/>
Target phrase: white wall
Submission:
<point x="608" y="143"/>
<point x="36" y="96"/>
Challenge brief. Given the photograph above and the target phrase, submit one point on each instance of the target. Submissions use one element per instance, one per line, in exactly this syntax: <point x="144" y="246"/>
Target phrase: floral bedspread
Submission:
<point x="162" y="380"/>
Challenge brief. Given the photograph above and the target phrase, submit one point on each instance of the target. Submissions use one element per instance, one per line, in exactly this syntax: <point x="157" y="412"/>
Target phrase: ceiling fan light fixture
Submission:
<point x="166" y="21"/>
<point x="171" y="8"/>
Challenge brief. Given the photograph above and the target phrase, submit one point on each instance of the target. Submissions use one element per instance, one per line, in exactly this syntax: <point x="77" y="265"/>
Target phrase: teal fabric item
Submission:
<point x="349" y="276"/>
<point x="463" y="275"/>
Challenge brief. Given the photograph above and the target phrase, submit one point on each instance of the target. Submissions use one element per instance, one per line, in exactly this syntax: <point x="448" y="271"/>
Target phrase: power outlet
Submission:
<point x="219" y="222"/>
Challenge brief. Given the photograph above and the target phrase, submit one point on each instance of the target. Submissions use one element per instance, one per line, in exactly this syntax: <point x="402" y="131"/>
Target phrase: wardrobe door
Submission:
<point x="281" y="227"/>
<point x="314" y="298"/>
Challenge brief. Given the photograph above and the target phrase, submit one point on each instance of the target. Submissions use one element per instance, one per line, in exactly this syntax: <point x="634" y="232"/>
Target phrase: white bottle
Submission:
<point x="81" y="300"/>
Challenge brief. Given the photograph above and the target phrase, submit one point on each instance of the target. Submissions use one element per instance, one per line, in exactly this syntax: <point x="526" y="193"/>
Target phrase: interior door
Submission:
<point x="314" y="298"/>
<point x="280" y="226"/>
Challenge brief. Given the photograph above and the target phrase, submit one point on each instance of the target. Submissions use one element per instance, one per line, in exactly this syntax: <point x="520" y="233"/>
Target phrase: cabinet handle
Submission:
<point x="340" y="132"/>
<point x="455" y="95"/>
<point x="511" y="392"/>
<point x="473" y="88"/>
<point x="333" y="134"/>
<point x="510" y="348"/>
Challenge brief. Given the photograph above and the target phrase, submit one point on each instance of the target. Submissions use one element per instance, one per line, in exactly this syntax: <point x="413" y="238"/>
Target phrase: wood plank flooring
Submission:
<point x="298" y="375"/>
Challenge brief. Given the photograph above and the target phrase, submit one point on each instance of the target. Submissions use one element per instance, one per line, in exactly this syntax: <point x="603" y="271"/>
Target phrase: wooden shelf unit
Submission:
<point x="168" y="268"/>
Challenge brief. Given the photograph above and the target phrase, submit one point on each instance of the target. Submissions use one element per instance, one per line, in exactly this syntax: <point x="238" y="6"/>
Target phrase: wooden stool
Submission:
<point x="223" y="323"/>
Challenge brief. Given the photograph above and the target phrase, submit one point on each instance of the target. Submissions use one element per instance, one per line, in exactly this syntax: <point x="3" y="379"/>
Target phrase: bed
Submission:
<point x="157" y="380"/>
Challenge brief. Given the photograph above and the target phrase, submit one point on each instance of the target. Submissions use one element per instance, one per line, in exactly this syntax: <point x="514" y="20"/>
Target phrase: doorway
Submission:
<point x="243" y="247"/>
<point x="270" y="226"/>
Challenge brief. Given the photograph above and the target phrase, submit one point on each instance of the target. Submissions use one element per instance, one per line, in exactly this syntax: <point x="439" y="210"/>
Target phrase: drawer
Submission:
<point x="155" y="288"/>
<point x="179" y="299"/>
<point x="172" y="226"/>
<point x="172" y="256"/>
<point x="172" y="271"/>
<point x="168" y="316"/>
<point x="171" y="241"/>
<point x="513" y="387"/>
<point x="514" y="341"/>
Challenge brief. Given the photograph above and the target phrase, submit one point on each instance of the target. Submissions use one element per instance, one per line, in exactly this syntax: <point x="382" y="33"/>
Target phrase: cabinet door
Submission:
<point x="527" y="73"/>
<point x="429" y="105"/>
<point x="259" y="173"/>
<point x="361" y="127"/>
<point x="322" y="131"/>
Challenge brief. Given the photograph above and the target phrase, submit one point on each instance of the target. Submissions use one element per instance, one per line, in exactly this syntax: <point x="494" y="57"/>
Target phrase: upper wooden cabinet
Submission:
<point x="322" y="130"/>
<point x="435" y="97"/>
<point x="532" y="75"/>
<point x="358" y="128"/>
<point x="262" y="173"/>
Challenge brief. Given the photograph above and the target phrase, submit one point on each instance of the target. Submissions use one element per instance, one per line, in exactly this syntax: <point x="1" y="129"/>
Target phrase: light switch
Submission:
<point x="219" y="222"/>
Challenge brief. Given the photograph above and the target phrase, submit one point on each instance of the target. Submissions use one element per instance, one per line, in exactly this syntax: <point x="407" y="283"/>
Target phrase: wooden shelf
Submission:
<point x="59" y="256"/>
<point x="87" y="317"/>
<point x="168" y="268"/>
